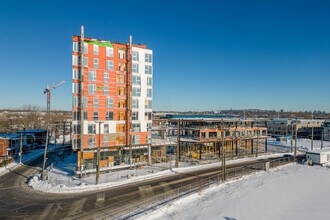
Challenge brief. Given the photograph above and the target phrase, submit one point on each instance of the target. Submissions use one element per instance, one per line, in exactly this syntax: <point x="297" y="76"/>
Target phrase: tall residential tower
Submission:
<point x="114" y="92"/>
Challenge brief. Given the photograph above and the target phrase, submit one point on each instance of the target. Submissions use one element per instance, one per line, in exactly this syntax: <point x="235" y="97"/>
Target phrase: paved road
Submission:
<point x="18" y="201"/>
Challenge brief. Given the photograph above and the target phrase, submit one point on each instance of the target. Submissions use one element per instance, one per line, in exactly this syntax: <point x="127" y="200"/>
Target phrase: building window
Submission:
<point x="85" y="61"/>
<point x="91" y="129"/>
<point x="136" y="139"/>
<point x="106" y="90"/>
<point x="121" y="54"/>
<point x="95" y="116"/>
<point x="147" y="58"/>
<point x="105" y="140"/>
<point x="109" y="103"/>
<point x="120" y="91"/>
<point x="136" y="92"/>
<point x="109" y="51"/>
<point x="95" y="102"/>
<point x="75" y="88"/>
<point x="76" y="129"/>
<point x="75" y="74"/>
<point x="135" y="68"/>
<point x="120" y="78"/>
<point x="76" y="116"/>
<point x="85" y="48"/>
<point x="135" y="56"/>
<point x="109" y="116"/>
<point x="148" y="69"/>
<point x="122" y="104"/>
<point x="149" y="93"/>
<point x="91" y="142"/>
<point x="148" y="139"/>
<point x="147" y="115"/>
<point x="149" y="81"/>
<point x="95" y="49"/>
<point x="109" y="64"/>
<point x="91" y="89"/>
<point x="120" y="128"/>
<point x="136" y="127"/>
<point x="148" y="104"/>
<point x="91" y="75"/>
<point x="106" y="129"/>
<point x="75" y="60"/>
<point x="136" y="80"/>
<point x="75" y="47"/>
<point x="106" y="77"/>
<point x="121" y="66"/>
<point x="135" y="115"/>
<point x="75" y="102"/>
<point x="149" y="126"/>
<point x="85" y="115"/>
<point x="85" y="102"/>
<point x="95" y="63"/>
<point x="121" y="116"/>
<point x="135" y="103"/>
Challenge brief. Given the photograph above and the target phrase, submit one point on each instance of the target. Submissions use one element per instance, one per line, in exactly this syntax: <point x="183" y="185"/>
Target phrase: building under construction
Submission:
<point x="207" y="138"/>
<point x="112" y="102"/>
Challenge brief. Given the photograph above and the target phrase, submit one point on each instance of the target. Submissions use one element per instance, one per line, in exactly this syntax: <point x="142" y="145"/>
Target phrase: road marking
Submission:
<point x="47" y="211"/>
<point x="145" y="190"/>
<point x="100" y="199"/>
<point x="77" y="205"/>
<point x="12" y="187"/>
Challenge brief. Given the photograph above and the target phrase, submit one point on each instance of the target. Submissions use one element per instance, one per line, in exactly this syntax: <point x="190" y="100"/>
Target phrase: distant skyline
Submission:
<point x="208" y="55"/>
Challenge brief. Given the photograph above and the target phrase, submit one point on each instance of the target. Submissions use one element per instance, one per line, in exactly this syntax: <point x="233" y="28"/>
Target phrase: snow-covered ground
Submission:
<point x="290" y="192"/>
<point x="26" y="157"/>
<point x="302" y="144"/>
<point x="61" y="178"/>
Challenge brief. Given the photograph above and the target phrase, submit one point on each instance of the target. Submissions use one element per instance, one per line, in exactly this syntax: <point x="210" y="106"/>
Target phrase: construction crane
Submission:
<point x="47" y="91"/>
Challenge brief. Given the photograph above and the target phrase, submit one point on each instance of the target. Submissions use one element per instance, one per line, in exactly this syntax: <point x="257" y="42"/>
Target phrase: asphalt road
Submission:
<point x="18" y="201"/>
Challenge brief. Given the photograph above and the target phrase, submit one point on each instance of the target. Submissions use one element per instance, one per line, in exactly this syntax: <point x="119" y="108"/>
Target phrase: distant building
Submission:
<point x="326" y="131"/>
<point x="9" y="144"/>
<point x="117" y="90"/>
<point x="31" y="139"/>
<point x="282" y="127"/>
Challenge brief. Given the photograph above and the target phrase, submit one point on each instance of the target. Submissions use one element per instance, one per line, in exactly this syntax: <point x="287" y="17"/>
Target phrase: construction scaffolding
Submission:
<point x="206" y="139"/>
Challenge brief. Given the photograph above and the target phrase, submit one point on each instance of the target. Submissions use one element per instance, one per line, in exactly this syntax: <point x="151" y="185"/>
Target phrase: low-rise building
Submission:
<point x="320" y="156"/>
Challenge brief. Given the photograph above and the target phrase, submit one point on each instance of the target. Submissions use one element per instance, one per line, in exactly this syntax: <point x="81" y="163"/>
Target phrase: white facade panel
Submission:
<point x="143" y="97"/>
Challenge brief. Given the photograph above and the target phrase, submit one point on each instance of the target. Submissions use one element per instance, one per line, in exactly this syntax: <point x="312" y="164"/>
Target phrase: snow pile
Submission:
<point x="291" y="192"/>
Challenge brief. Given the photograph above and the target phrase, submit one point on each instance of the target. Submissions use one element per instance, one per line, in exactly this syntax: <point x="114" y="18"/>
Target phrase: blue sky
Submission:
<point x="207" y="54"/>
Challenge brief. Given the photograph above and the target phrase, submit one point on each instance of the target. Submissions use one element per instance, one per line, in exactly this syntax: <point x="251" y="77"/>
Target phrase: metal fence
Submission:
<point x="200" y="184"/>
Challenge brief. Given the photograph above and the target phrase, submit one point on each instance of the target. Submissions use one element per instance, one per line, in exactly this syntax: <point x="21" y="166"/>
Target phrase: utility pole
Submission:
<point x="322" y="138"/>
<point x="257" y="143"/>
<point x="291" y="139"/>
<point x="177" y="145"/>
<point x="312" y="142"/>
<point x="80" y="99"/>
<point x="223" y="166"/>
<point x="21" y="148"/>
<point x="98" y="154"/>
<point x="63" y="133"/>
<point x="55" y="134"/>
<point x="129" y="101"/>
<point x="47" y="91"/>
<point x="295" y="144"/>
